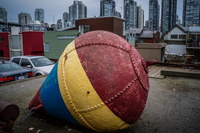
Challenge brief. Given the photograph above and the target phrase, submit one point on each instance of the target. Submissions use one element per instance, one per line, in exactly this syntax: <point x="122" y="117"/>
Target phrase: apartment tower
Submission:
<point x="77" y="11"/>
<point x="168" y="15"/>
<point x="154" y="15"/>
<point x="191" y="13"/>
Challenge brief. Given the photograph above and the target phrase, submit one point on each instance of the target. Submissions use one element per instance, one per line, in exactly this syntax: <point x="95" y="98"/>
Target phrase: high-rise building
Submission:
<point x="117" y="14"/>
<point x="60" y="24"/>
<point x="191" y="12"/>
<point x="130" y="14"/>
<point x="65" y="16"/>
<point x="168" y="15"/>
<point x="24" y="18"/>
<point x="154" y="15"/>
<point x="107" y="8"/>
<point x="140" y="17"/>
<point x="146" y="24"/>
<point x="178" y="21"/>
<point x="39" y="15"/>
<point x="3" y="15"/>
<point x="77" y="11"/>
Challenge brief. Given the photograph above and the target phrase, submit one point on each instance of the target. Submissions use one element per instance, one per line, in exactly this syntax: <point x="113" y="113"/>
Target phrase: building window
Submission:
<point x="182" y="36"/>
<point x="2" y="39"/>
<point x="46" y="47"/>
<point x="84" y="28"/>
<point x="1" y="53"/>
<point x="66" y="37"/>
<point x="174" y="36"/>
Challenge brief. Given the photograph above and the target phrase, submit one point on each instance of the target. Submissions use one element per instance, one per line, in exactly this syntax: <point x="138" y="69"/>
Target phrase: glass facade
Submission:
<point x="168" y="17"/>
<point x="60" y="23"/>
<point x="191" y="13"/>
<point x="3" y="15"/>
<point x="77" y="11"/>
<point x="130" y="14"/>
<point x="107" y="8"/>
<point x="24" y="18"/>
<point x="154" y="15"/>
<point x="66" y="17"/>
<point x="39" y="15"/>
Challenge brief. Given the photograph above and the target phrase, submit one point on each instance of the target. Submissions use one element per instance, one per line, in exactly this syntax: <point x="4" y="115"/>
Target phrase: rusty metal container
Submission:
<point x="8" y="114"/>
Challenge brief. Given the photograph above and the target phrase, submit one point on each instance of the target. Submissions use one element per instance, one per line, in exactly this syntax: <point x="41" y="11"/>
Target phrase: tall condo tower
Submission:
<point x="39" y="15"/>
<point x="3" y="15"/>
<point x="154" y="15"/>
<point x="168" y="15"/>
<point x="77" y="11"/>
<point x="24" y="18"/>
<point x="191" y="12"/>
<point x="130" y="14"/>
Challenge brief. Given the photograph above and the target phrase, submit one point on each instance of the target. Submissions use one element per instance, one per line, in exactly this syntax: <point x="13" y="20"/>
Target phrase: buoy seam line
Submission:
<point x="136" y="71"/>
<point x="69" y="98"/>
<point x="110" y="99"/>
<point x="83" y="45"/>
<point x="108" y="44"/>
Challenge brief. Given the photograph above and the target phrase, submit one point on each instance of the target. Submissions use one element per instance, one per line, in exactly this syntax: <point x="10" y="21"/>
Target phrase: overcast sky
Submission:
<point x="56" y="8"/>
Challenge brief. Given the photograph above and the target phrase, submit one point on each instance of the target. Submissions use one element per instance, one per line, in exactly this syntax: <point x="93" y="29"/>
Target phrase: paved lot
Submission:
<point x="172" y="107"/>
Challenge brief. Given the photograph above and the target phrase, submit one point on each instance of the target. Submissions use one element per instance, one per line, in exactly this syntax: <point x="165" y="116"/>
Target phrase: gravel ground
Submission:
<point x="172" y="107"/>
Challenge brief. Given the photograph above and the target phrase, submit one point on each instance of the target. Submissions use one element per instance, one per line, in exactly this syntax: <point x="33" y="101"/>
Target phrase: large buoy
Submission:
<point x="100" y="82"/>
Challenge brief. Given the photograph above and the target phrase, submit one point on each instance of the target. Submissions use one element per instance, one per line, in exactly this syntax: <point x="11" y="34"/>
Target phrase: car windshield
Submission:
<point x="39" y="62"/>
<point x="6" y="67"/>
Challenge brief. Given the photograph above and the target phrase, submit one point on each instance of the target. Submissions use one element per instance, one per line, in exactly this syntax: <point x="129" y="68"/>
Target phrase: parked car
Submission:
<point x="10" y="71"/>
<point x="39" y="65"/>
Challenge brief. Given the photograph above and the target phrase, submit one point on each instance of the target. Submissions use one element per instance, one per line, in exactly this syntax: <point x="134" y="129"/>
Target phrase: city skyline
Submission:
<point x="54" y="10"/>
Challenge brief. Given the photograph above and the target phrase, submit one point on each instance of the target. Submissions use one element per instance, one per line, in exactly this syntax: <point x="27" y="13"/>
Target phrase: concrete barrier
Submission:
<point x="173" y="73"/>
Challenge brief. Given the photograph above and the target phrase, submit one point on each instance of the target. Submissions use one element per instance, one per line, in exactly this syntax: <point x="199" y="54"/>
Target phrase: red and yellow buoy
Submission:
<point x="99" y="82"/>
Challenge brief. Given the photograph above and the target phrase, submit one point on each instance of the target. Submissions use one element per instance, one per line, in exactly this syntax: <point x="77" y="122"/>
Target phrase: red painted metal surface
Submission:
<point x="4" y="44"/>
<point x="117" y="72"/>
<point x="33" y="43"/>
<point x="8" y="114"/>
<point x="36" y="104"/>
<point x="8" y="111"/>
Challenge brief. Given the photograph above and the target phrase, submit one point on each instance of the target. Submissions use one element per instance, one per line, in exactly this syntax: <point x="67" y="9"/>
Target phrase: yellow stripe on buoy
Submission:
<point x="81" y="98"/>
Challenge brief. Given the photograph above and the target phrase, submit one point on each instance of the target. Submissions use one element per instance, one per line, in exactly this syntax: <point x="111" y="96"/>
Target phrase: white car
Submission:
<point x="39" y="65"/>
